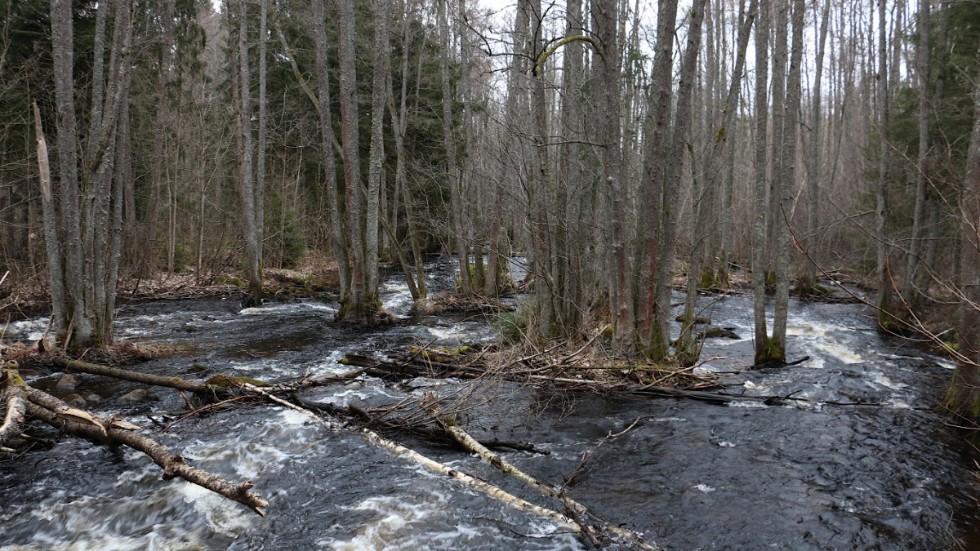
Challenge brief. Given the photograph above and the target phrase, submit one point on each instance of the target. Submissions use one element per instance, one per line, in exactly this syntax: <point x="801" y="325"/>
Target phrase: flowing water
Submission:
<point x="884" y="472"/>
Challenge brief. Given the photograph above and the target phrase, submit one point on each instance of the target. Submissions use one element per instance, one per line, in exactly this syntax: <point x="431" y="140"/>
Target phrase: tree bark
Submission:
<point x="379" y="93"/>
<point x="964" y="394"/>
<point x="760" y="206"/>
<point x="327" y="139"/>
<point x="911" y="289"/>
<point x="107" y="431"/>
<point x="655" y="275"/>
<point x="247" y="185"/>
<point x="809" y="280"/>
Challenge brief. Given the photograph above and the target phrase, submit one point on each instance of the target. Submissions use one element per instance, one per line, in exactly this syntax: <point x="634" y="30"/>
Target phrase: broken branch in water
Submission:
<point x="112" y="431"/>
<point x="575" y="510"/>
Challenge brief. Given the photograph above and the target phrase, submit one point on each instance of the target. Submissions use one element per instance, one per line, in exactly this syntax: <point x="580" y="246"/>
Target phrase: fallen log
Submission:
<point x="16" y="407"/>
<point x="112" y="431"/>
<point x="575" y="510"/>
<point x="132" y="376"/>
<point x="434" y="466"/>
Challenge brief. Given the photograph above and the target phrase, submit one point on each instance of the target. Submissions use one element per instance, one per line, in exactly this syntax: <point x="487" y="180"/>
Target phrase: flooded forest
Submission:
<point x="489" y="274"/>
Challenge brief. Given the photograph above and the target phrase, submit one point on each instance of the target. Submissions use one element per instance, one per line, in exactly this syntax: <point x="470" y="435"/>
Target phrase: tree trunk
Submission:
<point x="759" y="264"/>
<point x="911" y="290"/>
<point x="785" y="186"/>
<point x="809" y="280"/>
<point x="655" y="274"/>
<point x="454" y="173"/>
<point x="83" y="212"/>
<point x="362" y="305"/>
<point x="247" y="183"/>
<point x="675" y="165"/>
<point x="325" y="114"/>
<point x="964" y="394"/>
<point x="605" y="15"/>
<point x="885" y="313"/>
<point x="379" y="93"/>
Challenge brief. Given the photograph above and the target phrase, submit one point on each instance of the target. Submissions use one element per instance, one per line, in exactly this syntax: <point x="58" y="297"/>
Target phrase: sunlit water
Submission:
<point x="882" y="472"/>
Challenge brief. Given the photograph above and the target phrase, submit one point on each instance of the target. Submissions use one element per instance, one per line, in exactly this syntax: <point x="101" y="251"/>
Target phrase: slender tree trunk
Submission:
<point x="361" y="304"/>
<point x="885" y="307"/>
<point x="247" y="183"/>
<point x="759" y="264"/>
<point x="655" y="275"/>
<point x="327" y="139"/>
<point x="911" y="291"/>
<point x="674" y="168"/>
<point x="452" y="165"/>
<point x="809" y="280"/>
<point x="399" y="124"/>
<point x="260" y="153"/>
<point x="686" y="349"/>
<point x="784" y="195"/>
<point x="964" y="395"/>
<point x="379" y="93"/>
<point x="605" y="16"/>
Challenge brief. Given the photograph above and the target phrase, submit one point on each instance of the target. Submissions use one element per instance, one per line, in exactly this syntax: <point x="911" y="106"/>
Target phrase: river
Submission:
<point x="888" y="474"/>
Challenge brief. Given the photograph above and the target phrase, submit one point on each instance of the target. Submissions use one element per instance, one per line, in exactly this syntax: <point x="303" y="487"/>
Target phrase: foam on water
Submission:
<point x="835" y="351"/>
<point x="396" y="520"/>
<point x="880" y="378"/>
<point x="279" y="309"/>
<point x="28" y="330"/>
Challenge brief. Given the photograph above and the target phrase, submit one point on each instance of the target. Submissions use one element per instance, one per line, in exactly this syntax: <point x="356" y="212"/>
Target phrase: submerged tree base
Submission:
<point x="365" y="311"/>
<point x="770" y="353"/>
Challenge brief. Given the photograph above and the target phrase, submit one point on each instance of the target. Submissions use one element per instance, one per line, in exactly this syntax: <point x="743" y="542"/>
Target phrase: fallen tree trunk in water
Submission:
<point x="476" y="484"/>
<point x="111" y="431"/>
<point x="575" y="510"/>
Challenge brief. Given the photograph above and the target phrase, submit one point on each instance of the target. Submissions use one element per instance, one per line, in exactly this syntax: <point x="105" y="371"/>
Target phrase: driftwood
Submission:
<point x="132" y="376"/>
<point x="112" y="431"/>
<point x="436" y="467"/>
<point x="15" y="403"/>
<point x="575" y="510"/>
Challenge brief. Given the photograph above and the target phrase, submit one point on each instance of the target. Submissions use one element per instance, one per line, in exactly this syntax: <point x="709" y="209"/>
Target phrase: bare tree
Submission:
<point x="655" y="274"/>
<point x="761" y="177"/>
<point x="248" y="184"/>
<point x="885" y="300"/>
<point x="910" y="289"/>
<point x="376" y="180"/>
<point x="964" y="396"/>
<point x="808" y="282"/>
<point x="679" y="140"/>
<point x="83" y="208"/>
<point x="454" y="170"/>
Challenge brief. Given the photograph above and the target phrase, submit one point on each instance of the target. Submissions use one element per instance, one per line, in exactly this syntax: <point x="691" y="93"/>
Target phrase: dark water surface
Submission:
<point x="689" y="475"/>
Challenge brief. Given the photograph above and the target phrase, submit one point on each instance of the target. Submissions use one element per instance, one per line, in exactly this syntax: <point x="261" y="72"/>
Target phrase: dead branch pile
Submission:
<point x="20" y="403"/>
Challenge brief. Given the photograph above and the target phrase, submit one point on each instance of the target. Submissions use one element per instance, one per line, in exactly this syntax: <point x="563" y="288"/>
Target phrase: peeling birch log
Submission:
<point x="15" y="403"/>
<point x="576" y="509"/>
<point x="112" y="431"/>
<point x="434" y="466"/>
<point x="16" y="406"/>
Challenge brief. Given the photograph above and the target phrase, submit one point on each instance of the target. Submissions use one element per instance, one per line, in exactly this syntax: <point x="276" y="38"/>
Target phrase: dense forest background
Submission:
<point x="622" y="147"/>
